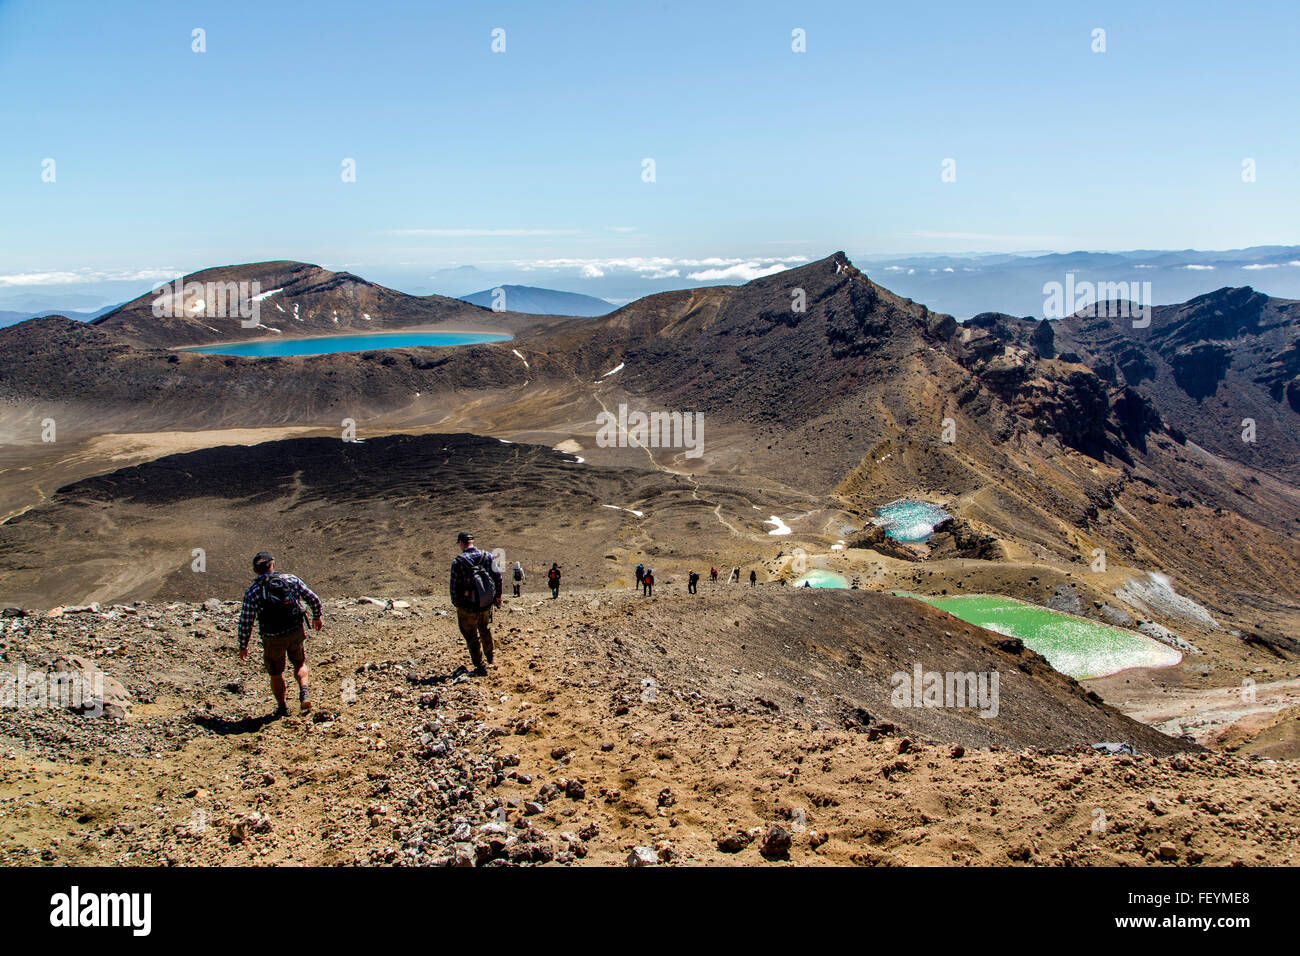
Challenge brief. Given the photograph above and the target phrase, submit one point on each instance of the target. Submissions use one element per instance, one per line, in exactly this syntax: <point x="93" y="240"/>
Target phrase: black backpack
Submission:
<point x="481" y="591"/>
<point x="519" y="574"/>
<point x="280" y="610"/>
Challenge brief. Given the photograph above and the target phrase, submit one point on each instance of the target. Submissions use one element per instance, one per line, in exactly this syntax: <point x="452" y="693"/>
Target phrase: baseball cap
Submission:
<point x="262" y="560"/>
<point x="464" y="536"/>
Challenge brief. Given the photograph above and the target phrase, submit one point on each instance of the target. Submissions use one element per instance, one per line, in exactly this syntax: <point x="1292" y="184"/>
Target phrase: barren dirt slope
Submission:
<point x="610" y="721"/>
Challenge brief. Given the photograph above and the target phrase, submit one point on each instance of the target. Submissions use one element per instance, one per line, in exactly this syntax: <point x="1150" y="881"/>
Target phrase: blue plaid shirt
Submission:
<point x="253" y="603"/>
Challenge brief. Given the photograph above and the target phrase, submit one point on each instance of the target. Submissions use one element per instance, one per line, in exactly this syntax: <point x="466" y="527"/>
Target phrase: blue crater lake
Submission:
<point x="907" y="520"/>
<point x="366" y="342"/>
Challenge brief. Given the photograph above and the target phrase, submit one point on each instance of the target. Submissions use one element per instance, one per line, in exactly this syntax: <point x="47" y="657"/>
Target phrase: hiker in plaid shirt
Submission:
<point x="274" y="600"/>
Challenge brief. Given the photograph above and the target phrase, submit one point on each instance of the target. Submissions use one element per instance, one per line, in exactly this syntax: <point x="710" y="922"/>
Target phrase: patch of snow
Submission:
<point x="366" y="317"/>
<point x="522" y="359"/>
<point x="639" y="514"/>
<point x="277" y="305"/>
<point x="781" y="526"/>
<point x="616" y="368"/>
<point x="1156" y="595"/>
<point x="266" y="295"/>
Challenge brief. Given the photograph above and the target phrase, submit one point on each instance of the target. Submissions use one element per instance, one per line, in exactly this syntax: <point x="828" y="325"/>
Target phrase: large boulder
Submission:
<point x="91" y="692"/>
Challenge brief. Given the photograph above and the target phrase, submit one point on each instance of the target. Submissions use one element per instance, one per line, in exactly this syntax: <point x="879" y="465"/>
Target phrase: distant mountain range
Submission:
<point x="964" y="286"/>
<point x="530" y="299"/>
<point x="8" y="318"/>
<point x="1062" y="437"/>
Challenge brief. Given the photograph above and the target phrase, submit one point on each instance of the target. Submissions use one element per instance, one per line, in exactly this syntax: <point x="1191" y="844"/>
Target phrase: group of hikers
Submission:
<point x="275" y="601"/>
<point x="645" y="579"/>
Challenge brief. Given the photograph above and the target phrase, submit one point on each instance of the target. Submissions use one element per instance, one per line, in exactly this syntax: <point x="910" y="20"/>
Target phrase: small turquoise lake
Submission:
<point x="365" y="342"/>
<point x="817" y="578"/>
<point x="907" y="520"/>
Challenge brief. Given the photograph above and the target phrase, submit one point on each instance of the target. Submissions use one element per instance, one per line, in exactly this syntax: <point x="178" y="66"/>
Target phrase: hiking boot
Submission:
<point x="280" y="711"/>
<point x="480" y="671"/>
<point x="305" y="707"/>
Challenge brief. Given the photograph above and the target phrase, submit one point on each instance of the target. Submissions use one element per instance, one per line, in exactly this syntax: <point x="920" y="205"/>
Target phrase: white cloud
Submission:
<point x="1196" y="268"/>
<point x="711" y="269"/>
<point x="1261" y="265"/>
<point x="984" y="237"/>
<point x="742" y="270"/>
<point x="85" y="275"/>
<point x="477" y="233"/>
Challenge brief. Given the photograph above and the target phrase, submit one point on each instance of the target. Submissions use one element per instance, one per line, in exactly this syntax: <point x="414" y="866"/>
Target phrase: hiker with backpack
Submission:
<point x="273" y="600"/>
<point x="475" y="590"/>
<point x="753" y="577"/>
<point x="692" y="581"/>
<point x="640" y="574"/>
<point x="713" y="575"/>
<point x="648" y="582"/>
<point x="553" y="579"/>
<point x="518" y="575"/>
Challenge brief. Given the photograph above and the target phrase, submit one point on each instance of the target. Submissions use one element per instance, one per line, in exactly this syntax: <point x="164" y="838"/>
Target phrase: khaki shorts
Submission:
<point x="275" y="647"/>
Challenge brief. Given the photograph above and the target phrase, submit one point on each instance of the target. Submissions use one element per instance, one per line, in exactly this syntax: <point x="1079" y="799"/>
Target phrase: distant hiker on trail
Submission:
<point x="475" y="590"/>
<point x="553" y="579"/>
<point x="649" y="582"/>
<point x="753" y="578"/>
<point x="518" y="575"/>
<point x="692" y="581"/>
<point x="713" y="575"/>
<point x="640" y="574"/>
<point x="273" y="600"/>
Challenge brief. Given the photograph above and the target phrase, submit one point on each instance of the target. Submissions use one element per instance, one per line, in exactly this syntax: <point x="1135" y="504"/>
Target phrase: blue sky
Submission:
<point x="169" y="160"/>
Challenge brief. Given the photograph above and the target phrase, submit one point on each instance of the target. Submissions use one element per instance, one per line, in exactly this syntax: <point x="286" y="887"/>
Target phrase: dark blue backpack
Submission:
<point x="280" y="610"/>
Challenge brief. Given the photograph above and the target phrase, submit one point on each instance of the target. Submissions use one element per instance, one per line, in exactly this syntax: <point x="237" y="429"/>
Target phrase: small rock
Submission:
<point x="642" y="856"/>
<point x="776" y="843"/>
<point x="733" y="842"/>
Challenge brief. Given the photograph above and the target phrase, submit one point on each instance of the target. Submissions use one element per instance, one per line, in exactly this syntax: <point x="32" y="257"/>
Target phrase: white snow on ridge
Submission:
<point x="1155" y="592"/>
<point x="639" y="514"/>
<point x="781" y="526"/>
<point x="522" y="359"/>
<point x="266" y="295"/>
<point x="616" y="368"/>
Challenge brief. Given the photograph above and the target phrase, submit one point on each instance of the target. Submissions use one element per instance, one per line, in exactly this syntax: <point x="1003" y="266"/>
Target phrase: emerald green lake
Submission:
<point x="1072" y="645"/>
